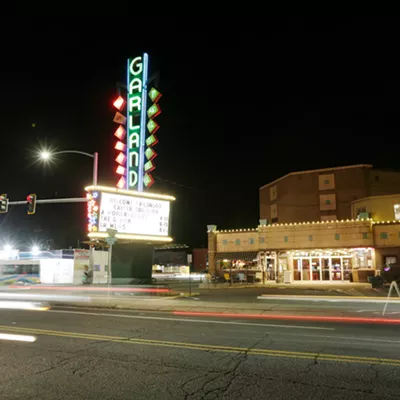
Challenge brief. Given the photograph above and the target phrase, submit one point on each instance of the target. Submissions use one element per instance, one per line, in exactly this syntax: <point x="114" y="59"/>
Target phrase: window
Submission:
<point x="224" y="242"/>
<point x="251" y="241"/>
<point x="361" y="210"/>
<point x="273" y="209"/>
<point x="327" y="202"/>
<point x="383" y="235"/>
<point x="286" y="239"/>
<point x="237" y="242"/>
<point x="273" y="193"/>
<point x="397" y="212"/>
<point x="365" y="235"/>
<point x="310" y="238"/>
<point x="326" y="182"/>
<point x="337" y="236"/>
<point x="262" y="240"/>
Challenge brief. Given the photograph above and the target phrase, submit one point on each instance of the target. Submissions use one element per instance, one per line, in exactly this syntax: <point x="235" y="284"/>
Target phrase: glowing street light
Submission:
<point x="35" y="250"/>
<point x="46" y="155"/>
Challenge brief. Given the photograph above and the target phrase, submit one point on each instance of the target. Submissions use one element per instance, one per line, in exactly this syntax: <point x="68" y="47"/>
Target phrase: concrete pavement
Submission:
<point x="88" y="354"/>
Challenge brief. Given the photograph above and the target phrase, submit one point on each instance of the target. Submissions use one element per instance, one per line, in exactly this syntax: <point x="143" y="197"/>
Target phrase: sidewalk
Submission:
<point x="241" y="311"/>
<point x="339" y="307"/>
<point x="300" y="288"/>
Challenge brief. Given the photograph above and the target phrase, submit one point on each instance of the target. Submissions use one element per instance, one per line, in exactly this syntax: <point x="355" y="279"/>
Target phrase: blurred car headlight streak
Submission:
<point x="18" y="338"/>
<point x="23" y="305"/>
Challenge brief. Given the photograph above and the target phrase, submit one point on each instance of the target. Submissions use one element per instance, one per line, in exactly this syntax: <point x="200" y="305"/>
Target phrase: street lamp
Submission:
<point x="46" y="155"/>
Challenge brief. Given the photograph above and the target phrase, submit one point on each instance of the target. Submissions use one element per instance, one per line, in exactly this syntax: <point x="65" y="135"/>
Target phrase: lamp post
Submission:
<point x="46" y="155"/>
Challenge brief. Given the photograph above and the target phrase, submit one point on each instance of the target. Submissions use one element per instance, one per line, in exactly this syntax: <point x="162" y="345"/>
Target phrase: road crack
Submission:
<point x="228" y="376"/>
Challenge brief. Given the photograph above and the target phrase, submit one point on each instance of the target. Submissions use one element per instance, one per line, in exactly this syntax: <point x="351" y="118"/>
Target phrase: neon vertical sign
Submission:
<point x="137" y="76"/>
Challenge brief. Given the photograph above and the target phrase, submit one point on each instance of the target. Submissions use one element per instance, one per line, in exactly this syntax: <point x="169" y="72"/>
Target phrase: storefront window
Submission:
<point x="297" y="270"/>
<point x="325" y="269"/>
<point x="330" y="265"/>
<point x="336" y="273"/>
<point x="346" y="268"/>
<point x="306" y="269"/>
<point x="397" y="212"/>
<point x="316" y="269"/>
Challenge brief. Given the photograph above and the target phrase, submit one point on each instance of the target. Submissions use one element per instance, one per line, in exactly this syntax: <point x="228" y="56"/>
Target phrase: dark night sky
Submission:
<point x="246" y="100"/>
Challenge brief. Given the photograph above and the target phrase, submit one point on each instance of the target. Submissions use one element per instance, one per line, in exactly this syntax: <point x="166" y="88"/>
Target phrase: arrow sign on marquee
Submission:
<point x="119" y="118"/>
<point x="150" y="154"/>
<point x="154" y="95"/>
<point x="151" y="141"/>
<point x="153" y="111"/>
<point x="152" y="126"/>
<point x="148" y="180"/>
<point x="149" y="166"/>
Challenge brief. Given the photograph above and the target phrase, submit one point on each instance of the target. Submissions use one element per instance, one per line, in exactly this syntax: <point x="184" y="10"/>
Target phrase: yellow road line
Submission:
<point x="204" y="347"/>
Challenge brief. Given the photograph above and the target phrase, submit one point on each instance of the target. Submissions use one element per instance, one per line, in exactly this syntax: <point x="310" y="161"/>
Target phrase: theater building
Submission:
<point x="325" y="249"/>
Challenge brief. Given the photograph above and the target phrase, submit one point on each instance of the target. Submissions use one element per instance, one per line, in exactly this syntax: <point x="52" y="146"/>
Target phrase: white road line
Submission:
<point x="333" y="299"/>
<point x="194" y="320"/>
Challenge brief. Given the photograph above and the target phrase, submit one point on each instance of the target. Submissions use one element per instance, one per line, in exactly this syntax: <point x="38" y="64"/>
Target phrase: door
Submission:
<point x="336" y="272"/>
<point x="326" y="263"/>
<point x="306" y="269"/>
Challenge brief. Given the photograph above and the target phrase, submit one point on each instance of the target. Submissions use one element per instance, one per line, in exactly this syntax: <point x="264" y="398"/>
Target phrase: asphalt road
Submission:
<point x="99" y="354"/>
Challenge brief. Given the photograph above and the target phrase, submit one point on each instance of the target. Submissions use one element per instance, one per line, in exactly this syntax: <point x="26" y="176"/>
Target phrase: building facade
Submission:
<point x="379" y="208"/>
<point x="324" y="194"/>
<point x="321" y="251"/>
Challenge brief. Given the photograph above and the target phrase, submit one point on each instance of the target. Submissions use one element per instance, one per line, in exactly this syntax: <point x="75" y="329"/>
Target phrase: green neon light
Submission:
<point x="149" y="166"/>
<point x="151" y="141"/>
<point x="150" y="153"/>
<point x="148" y="180"/>
<point x="152" y="126"/>
<point x="154" y="95"/>
<point x="134" y="107"/>
<point x="153" y="111"/>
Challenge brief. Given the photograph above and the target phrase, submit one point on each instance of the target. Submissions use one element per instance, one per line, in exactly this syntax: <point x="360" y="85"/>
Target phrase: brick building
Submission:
<point x="323" y="194"/>
<point x="336" y="224"/>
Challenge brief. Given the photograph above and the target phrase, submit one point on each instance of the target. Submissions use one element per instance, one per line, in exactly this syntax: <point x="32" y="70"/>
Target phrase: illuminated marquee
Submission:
<point x="135" y="215"/>
<point x="137" y="76"/>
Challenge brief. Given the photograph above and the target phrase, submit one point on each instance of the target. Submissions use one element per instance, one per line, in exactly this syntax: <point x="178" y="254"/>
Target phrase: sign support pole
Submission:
<point x="392" y="285"/>
<point x="109" y="264"/>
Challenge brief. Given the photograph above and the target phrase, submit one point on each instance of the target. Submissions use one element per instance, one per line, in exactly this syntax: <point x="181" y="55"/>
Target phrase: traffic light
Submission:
<point x="31" y="201"/>
<point x="3" y="203"/>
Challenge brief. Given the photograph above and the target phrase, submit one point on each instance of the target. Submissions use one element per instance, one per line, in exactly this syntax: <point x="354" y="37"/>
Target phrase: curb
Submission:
<point x="332" y="299"/>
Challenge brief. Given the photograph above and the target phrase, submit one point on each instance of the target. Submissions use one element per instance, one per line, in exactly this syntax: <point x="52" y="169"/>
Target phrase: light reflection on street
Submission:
<point x="23" y="305"/>
<point x="17" y="338"/>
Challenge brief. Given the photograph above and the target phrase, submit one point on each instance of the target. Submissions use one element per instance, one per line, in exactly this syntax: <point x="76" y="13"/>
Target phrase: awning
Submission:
<point x="242" y="256"/>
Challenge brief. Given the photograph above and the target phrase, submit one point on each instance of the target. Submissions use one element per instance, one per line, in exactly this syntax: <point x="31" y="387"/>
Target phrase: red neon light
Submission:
<point x="291" y="317"/>
<point x="120" y="146"/>
<point x="121" y="183"/>
<point x="121" y="159"/>
<point x="120" y="132"/>
<point x="96" y="289"/>
<point x="119" y="103"/>
<point x="120" y="170"/>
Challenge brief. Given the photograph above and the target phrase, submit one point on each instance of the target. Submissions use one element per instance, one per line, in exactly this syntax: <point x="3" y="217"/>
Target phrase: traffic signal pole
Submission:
<point x="51" y="201"/>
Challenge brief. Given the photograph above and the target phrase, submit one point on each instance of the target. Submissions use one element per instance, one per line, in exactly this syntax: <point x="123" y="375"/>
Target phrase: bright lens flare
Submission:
<point x="18" y="338"/>
<point x="45" y="155"/>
